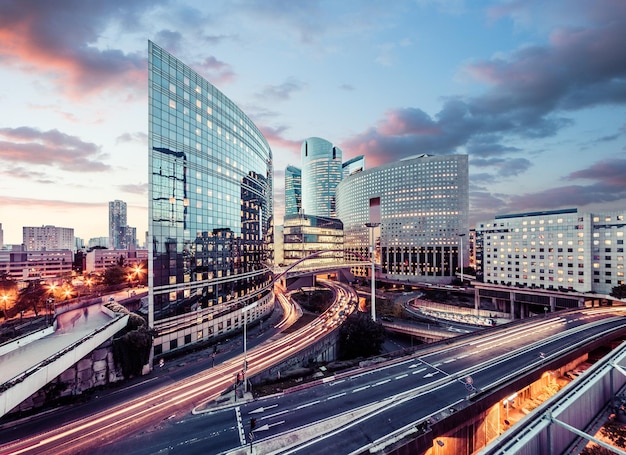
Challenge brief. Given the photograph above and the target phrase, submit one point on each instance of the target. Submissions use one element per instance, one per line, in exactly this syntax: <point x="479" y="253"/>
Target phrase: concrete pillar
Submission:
<point x="552" y="304"/>
<point x="512" y="299"/>
<point x="477" y="299"/>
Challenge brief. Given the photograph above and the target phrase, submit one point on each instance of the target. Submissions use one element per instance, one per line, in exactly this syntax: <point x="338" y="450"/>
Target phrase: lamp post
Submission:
<point x="372" y="226"/>
<point x="461" y="256"/>
<point x="244" y="311"/>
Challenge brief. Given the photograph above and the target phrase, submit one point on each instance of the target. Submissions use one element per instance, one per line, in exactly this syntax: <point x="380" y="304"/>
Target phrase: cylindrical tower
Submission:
<point x="321" y="173"/>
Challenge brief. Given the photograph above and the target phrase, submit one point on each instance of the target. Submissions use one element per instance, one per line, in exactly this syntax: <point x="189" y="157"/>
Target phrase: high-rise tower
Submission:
<point x="117" y="224"/>
<point x="321" y="173"/>
<point x="293" y="191"/>
<point x="210" y="209"/>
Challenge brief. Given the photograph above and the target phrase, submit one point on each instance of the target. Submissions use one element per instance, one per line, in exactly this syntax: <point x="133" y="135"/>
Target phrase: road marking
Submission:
<point x="361" y="388"/>
<point x="263" y="409"/>
<point x="271" y="416"/>
<point x="449" y="361"/>
<point x="360" y="374"/>
<point x="338" y="381"/>
<point x="462" y="356"/>
<point x="382" y="382"/>
<point x="415" y="365"/>
<point x="401" y="376"/>
<point x="242" y="435"/>
<point x="336" y="396"/>
<point x="312" y="403"/>
<point x="419" y="371"/>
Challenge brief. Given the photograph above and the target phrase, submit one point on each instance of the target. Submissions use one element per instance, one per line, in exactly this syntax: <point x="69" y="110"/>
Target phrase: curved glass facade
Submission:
<point x="210" y="207"/>
<point x="321" y="173"/>
<point x="424" y="207"/>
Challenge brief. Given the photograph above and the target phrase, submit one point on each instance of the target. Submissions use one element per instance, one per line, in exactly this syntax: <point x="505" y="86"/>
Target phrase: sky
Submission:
<point x="533" y="91"/>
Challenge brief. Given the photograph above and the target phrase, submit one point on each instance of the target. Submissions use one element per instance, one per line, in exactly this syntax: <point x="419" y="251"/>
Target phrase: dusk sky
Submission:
<point x="533" y="91"/>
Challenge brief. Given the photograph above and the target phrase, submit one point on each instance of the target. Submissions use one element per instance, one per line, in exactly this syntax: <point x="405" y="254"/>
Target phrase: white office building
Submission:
<point x="560" y="249"/>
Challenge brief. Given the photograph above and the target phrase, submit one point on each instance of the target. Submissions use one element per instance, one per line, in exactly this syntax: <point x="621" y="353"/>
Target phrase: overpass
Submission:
<point x="567" y="421"/>
<point x="31" y="362"/>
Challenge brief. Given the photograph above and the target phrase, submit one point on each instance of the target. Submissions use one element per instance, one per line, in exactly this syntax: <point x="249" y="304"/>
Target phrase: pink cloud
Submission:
<point x="49" y="148"/>
<point x="58" y="41"/>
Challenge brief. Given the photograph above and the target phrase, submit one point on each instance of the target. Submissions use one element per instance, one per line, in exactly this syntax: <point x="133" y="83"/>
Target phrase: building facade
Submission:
<point x="555" y="250"/>
<point x="423" y="203"/>
<point x="21" y="265"/>
<point x="47" y="238"/>
<point x="98" y="260"/>
<point x="304" y="235"/>
<point x="117" y="224"/>
<point x="352" y="166"/>
<point x="293" y="191"/>
<point x="210" y="208"/>
<point x="321" y="173"/>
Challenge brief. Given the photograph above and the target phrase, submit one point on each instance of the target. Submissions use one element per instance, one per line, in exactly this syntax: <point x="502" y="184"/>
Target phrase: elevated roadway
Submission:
<point x="412" y="401"/>
<point x="29" y="363"/>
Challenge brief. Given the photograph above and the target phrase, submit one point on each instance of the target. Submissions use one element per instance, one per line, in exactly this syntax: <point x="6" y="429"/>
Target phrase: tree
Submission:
<point x="359" y="336"/>
<point x="114" y="275"/>
<point x="619" y="292"/>
<point x="32" y="297"/>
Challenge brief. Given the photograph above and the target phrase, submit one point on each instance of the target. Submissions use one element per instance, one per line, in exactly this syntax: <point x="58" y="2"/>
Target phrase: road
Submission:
<point x="170" y="401"/>
<point x="354" y="410"/>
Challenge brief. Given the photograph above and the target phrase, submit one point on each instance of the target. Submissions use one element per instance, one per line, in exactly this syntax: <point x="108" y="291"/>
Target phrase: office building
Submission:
<point x="121" y="236"/>
<point x="22" y="265"/>
<point x="353" y="166"/>
<point x="293" y="191"/>
<point x="555" y="250"/>
<point x="98" y="260"/>
<point x="210" y="209"/>
<point x="49" y="238"/>
<point x="421" y="204"/>
<point x="306" y="234"/>
<point x="1" y="237"/>
<point x="321" y="173"/>
<point x="98" y="242"/>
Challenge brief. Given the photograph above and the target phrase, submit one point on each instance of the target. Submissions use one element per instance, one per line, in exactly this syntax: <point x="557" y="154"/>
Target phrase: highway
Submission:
<point x="354" y="411"/>
<point x="173" y="400"/>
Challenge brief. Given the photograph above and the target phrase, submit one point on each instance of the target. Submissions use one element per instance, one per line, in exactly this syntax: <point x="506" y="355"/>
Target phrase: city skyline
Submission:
<point x="532" y="92"/>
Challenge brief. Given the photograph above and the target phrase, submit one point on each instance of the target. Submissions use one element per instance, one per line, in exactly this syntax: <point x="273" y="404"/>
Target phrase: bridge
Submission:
<point x="31" y="362"/>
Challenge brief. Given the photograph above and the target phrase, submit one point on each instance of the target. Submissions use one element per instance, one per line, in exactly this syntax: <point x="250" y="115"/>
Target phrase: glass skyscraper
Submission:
<point x="423" y="203"/>
<point x="293" y="191"/>
<point x="210" y="208"/>
<point x="321" y="173"/>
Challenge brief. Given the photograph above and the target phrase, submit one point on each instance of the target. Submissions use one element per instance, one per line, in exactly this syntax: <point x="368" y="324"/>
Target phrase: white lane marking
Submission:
<point x="419" y="371"/>
<point x="336" y="396"/>
<point x="361" y="388"/>
<point x="312" y="403"/>
<point x="382" y="382"/>
<point x="401" y="376"/>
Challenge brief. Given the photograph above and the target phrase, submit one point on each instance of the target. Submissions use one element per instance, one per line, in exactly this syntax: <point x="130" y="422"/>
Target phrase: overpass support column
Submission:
<point x="552" y="304"/>
<point x="512" y="299"/>
<point x="477" y="299"/>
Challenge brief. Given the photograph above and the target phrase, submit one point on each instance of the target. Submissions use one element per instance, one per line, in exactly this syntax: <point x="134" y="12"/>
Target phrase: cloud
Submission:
<point x="49" y="148"/>
<point x="282" y="92"/>
<point x="215" y="70"/>
<point x="53" y="204"/>
<point x="20" y="172"/>
<point x="528" y="94"/>
<point x="138" y="136"/>
<point x="134" y="188"/>
<point x="506" y="167"/>
<point x="60" y="40"/>
<point x="607" y="173"/>
<point x="347" y="87"/>
<point x="276" y="140"/>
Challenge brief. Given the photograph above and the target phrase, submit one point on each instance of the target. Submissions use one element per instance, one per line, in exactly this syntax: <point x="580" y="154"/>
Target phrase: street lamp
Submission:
<point x="244" y="310"/>
<point x="461" y="256"/>
<point x="372" y="226"/>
